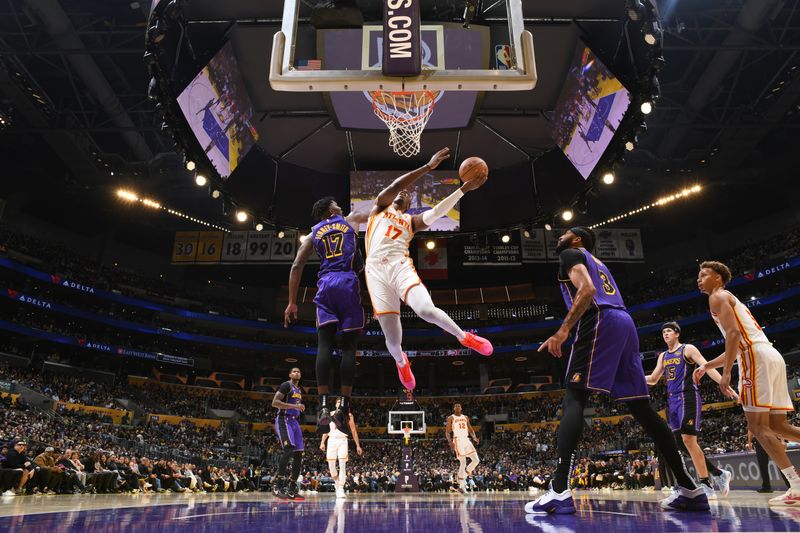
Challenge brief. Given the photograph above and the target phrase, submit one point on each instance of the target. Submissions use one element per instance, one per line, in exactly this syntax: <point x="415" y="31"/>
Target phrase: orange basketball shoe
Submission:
<point x="406" y="375"/>
<point x="479" y="344"/>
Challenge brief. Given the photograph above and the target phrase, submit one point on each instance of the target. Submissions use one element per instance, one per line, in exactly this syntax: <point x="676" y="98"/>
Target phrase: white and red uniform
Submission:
<point x="763" y="385"/>
<point x="337" y="444"/>
<point x="463" y="445"/>
<point x="389" y="271"/>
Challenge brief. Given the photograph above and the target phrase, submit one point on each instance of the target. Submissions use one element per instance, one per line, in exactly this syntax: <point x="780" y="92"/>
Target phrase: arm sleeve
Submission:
<point x="568" y="259"/>
<point x="442" y="208"/>
<point x="285" y="389"/>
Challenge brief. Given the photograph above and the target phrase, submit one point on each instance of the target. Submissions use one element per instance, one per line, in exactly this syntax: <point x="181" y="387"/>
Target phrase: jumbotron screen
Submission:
<point x="219" y="112"/>
<point x="589" y="111"/>
<point x="431" y="189"/>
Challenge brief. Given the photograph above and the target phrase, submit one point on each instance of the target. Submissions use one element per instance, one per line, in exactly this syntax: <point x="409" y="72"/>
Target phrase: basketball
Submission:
<point x="471" y="168"/>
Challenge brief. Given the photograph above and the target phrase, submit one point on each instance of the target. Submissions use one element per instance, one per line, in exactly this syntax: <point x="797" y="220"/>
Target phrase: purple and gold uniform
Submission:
<point x="338" y="296"/>
<point x="605" y="351"/>
<point x="683" y="398"/>
<point x="287" y="425"/>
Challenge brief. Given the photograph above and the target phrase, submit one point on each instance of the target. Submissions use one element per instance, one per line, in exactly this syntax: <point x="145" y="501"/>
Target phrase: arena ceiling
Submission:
<point x="74" y="91"/>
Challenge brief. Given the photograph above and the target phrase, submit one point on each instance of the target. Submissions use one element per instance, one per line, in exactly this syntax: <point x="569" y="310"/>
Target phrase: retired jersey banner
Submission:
<point x="534" y="249"/>
<point x="611" y="245"/>
<point x="491" y="250"/>
<point x="432" y="263"/>
<point x="216" y="247"/>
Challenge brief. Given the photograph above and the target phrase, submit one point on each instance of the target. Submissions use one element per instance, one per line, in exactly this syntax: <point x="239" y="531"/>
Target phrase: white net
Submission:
<point x="405" y="114"/>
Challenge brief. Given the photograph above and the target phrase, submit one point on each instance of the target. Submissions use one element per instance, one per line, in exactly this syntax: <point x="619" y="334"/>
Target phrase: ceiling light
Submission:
<point x="190" y="165"/>
<point x="430" y="245"/>
<point x="548" y="227"/>
<point x="127" y="195"/>
<point x="281" y="234"/>
<point x="215" y="194"/>
<point x="241" y="216"/>
<point x="567" y="215"/>
<point x="200" y="180"/>
<point x="647" y="108"/>
<point x="526" y="233"/>
<point x="259" y="227"/>
<point x="505" y="238"/>
<point x="608" y="178"/>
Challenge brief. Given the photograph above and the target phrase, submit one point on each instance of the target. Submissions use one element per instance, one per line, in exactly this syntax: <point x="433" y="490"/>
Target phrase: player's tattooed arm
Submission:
<point x="580" y="278"/>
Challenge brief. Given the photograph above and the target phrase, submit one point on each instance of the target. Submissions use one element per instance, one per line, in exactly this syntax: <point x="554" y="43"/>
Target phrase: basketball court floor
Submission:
<point x="606" y="512"/>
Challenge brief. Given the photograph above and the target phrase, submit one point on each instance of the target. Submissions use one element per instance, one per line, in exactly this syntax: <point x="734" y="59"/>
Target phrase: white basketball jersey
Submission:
<point x="460" y="427"/>
<point x="748" y="327"/>
<point x="389" y="234"/>
<point x="335" y="432"/>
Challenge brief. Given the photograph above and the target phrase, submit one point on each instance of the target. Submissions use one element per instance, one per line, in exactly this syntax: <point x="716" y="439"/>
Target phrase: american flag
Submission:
<point x="308" y="64"/>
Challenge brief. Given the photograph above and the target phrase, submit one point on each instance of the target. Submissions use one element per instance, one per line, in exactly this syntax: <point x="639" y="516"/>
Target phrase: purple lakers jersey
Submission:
<point x="679" y="371"/>
<point x="607" y="294"/>
<point x="291" y="394"/>
<point x="337" y="246"/>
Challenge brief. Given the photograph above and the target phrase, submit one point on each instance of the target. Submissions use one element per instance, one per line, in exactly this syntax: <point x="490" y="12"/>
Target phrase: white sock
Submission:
<point x="793" y="477"/>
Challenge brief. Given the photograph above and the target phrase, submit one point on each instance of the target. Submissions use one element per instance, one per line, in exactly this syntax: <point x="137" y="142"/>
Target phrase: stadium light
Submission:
<point x="505" y="238"/>
<point x="259" y="227"/>
<point x="664" y="200"/>
<point x="200" y="180"/>
<point x="131" y="196"/>
<point x="281" y="234"/>
<point x="647" y="107"/>
<point x="190" y="165"/>
<point x="241" y="216"/>
<point x="215" y="193"/>
<point x="127" y="195"/>
<point x="430" y="245"/>
<point x="608" y="178"/>
<point x="567" y="215"/>
<point x="548" y="227"/>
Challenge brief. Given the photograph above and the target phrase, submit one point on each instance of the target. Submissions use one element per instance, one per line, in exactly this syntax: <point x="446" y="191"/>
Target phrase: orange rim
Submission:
<point x="386" y="117"/>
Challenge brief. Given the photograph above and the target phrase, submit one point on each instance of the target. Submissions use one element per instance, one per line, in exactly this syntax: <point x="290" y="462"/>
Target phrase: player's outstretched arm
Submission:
<point x="422" y="221"/>
<point x="295" y="274"/>
<point x="655" y="376"/>
<point x="387" y="195"/>
<point x="356" y="218"/>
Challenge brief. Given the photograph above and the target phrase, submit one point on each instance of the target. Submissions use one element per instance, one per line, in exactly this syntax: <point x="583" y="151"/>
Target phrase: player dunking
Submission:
<point x="342" y="425"/>
<point x="605" y="358"/>
<point x="458" y="424"/>
<point x="287" y="426"/>
<point x="338" y="299"/>
<point x="390" y="273"/>
<point x="684" y="404"/>
<point x="763" y="387"/>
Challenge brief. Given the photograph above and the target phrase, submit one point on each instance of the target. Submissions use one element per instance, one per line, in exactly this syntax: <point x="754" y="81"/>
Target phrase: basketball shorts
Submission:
<point x="763" y="385"/>
<point x="337" y="449"/>
<point x="289" y="432"/>
<point x="605" y="356"/>
<point x="388" y="282"/>
<point x="684" y="411"/>
<point x="464" y="447"/>
<point x="338" y="300"/>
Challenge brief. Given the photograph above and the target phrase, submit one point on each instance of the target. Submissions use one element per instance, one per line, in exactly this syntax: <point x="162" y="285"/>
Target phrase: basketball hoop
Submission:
<point x="406" y="435"/>
<point x="405" y="113"/>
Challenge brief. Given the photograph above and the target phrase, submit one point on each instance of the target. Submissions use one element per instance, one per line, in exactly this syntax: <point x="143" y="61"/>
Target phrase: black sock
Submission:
<point x="348" y="364"/>
<point x="712" y="469"/>
<point x="705" y="481"/>
<point x="284" y="461"/>
<point x="569" y="433"/>
<point x="658" y="430"/>
<point x="326" y="335"/>
<point x="297" y="464"/>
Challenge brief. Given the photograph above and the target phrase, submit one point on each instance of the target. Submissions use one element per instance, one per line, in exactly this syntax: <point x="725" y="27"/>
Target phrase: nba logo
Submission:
<point x="502" y="57"/>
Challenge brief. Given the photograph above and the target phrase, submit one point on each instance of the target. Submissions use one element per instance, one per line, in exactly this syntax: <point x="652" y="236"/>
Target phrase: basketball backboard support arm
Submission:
<point x="521" y="76"/>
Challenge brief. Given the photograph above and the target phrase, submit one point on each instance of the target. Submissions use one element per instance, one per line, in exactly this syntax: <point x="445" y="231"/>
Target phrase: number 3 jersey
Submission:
<point x="607" y="293"/>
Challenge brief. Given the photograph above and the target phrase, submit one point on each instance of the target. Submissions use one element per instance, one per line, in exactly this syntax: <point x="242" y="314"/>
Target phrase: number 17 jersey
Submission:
<point x="336" y="244"/>
<point x="389" y="234"/>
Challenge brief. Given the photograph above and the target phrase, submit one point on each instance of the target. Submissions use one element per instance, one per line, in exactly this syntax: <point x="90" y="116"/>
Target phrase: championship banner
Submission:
<point x="620" y="245"/>
<point x="184" y="249"/>
<point x="432" y="264"/>
<point x="534" y="249"/>
<point x="491" y="250"/>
